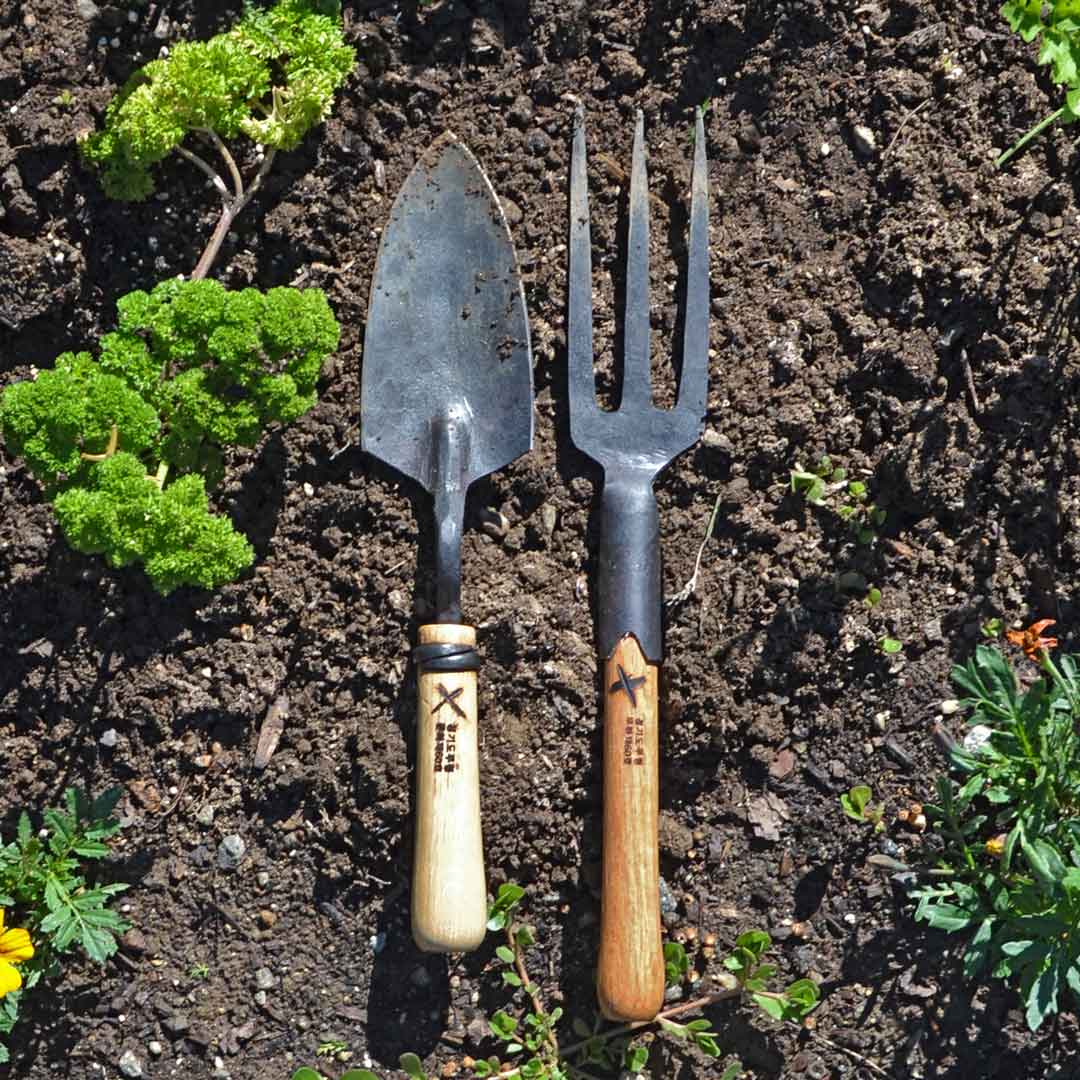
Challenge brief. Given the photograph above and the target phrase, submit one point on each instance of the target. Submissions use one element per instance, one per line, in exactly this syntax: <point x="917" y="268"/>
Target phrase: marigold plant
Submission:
<point x="47" y="896"/>
<point x="1010" y="817"/>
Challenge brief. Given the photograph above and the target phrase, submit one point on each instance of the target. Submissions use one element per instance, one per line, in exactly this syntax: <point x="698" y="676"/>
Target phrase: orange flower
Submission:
<point x="1031" y="640"/>
<point x="996" y="845"/>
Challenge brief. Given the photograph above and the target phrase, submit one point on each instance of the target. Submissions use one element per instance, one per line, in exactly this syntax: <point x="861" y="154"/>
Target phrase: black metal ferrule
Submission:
<point x="628" y="571"/>
<point x="439" y="656"/>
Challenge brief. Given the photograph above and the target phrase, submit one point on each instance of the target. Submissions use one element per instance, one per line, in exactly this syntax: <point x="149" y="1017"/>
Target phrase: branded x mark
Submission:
<point x="448" y="699"/>
<point x="629" y="683"/>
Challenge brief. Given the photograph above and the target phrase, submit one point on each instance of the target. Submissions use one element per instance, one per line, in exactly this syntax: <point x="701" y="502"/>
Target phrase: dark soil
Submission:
<point x="904" y="307"/>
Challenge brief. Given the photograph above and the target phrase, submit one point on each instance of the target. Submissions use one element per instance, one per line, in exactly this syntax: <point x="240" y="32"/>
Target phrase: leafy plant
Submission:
<point x="532" y="1038"/>
<point x="44" y="887"/>
<point x="199" y="970"/>
<point x="1058" y="24"/>
<point x="271" y="78"/>
<point x="857" y="806"/>
<point x="827" y="485"/>
<point x="890" y="646"/>
<point x="125" y="445"/>
<point x="1010" y="817"/>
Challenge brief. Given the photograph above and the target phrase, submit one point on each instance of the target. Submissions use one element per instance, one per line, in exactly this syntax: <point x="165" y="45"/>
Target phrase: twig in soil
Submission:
<point x="690" y="587"/>
<point x="976" y="405"/>
<point x="270" y="733"/>
<point x="874" y="1068"/>
<point x="903" y="124"/>
<point x="176" y="802"/>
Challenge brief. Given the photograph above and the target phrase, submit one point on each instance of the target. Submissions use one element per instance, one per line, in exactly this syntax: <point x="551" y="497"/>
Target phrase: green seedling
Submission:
<point x="337" y="1049"/>
<point x="125" y="445"/>
<point x="827" y="485"/>
<point x="890" y="646"/>
<point x="529" y="1032"/>
<point x="199" y="971"/>
<point x="1009" y="813"/>
<point x="271" y="78"/>
<point x="45" y="891"/>
<point x="857" y="806"/>
<point x="872" y="597"/>
<point x="992" y="628"/>
<point x="1058" y="25"/>
<point x="64" y="100"/>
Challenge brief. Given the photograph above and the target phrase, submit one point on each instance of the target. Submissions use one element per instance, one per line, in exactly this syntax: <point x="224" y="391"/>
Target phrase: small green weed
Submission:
<point x="857" y="806"/>
<point x="199" y="971"/>
<point x="827" y="485"/>
<point x="1010" y="818"/>
<point x="530" y="1038"/>
<point x="890" y="646"/>
<point x="337" y="1049"/>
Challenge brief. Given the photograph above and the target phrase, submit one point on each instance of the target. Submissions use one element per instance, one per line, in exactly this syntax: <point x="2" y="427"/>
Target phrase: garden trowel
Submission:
<point x="446" y="398"/>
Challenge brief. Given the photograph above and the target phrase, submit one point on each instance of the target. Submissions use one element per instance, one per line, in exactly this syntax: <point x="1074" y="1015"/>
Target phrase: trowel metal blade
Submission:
<point x="447" y="337"/>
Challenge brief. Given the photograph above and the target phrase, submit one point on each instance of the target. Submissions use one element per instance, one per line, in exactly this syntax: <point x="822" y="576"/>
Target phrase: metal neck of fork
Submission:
<point x="628" y="574"/>
<point x="450" y="454"/>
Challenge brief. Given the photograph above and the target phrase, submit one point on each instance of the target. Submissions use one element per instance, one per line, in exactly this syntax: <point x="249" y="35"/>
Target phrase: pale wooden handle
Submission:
<point x="630" y="981"/>
<point x="449" y="894"/>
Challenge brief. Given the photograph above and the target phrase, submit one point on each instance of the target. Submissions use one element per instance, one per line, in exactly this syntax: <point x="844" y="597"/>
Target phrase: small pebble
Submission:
<point x="865" y="140"/>
<point x="825" y="149"/>
<point x="231" y="852"/>
<point x="205" y="815"/>
<point x="949" y="706"/>
<point x="264" y="979"/>
<point x="130" y="1065"/>
<point x="308" y="490"/>
<point x="155" y="1048"/>
<point x="262" y="879"/>
<point x="109" y="738"/>
<point x="977" y="738"/>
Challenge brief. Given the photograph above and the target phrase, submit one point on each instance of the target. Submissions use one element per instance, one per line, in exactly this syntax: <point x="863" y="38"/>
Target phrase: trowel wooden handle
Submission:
<point x="449" y="894"/>
<point x="630" y="981"/>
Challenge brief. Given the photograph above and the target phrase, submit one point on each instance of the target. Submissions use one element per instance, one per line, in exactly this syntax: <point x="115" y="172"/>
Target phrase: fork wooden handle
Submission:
<point x="630" y="980"/>
<point x="449" y="894"/>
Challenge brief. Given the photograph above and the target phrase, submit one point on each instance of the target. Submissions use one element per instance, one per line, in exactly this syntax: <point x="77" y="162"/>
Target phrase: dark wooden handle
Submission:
<point x="630" y="981"/>
<point x="449" y="894"/>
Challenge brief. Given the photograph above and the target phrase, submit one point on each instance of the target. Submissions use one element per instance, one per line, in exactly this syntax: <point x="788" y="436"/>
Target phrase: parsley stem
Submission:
<point x="1025" y="139"/>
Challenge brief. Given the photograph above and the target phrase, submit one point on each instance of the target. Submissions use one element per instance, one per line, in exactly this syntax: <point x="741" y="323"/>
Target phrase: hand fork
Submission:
<point x="633" y="444"/>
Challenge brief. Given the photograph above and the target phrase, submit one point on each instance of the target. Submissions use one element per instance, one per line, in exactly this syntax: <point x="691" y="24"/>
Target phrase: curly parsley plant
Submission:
<point x="271" y="78"/>
<point x="125" y="444"/>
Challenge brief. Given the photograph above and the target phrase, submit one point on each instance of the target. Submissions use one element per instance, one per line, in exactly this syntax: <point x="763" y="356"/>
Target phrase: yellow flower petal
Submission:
<point x="10" y="979"/>
<point x="15" y="946"/>
<point x="1" y="920"/>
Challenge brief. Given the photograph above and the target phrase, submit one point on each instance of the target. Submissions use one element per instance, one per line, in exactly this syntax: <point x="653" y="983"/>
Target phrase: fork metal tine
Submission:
<point x="583" y="402"/>
<point x="637" y="387"/>
<point x="694" y="380"/>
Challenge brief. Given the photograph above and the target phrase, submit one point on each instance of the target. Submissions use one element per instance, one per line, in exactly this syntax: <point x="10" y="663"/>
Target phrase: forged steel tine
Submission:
<point x="579" y="300"/>
<point x="694" y="380"/>
<point x="637" y="386"/>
